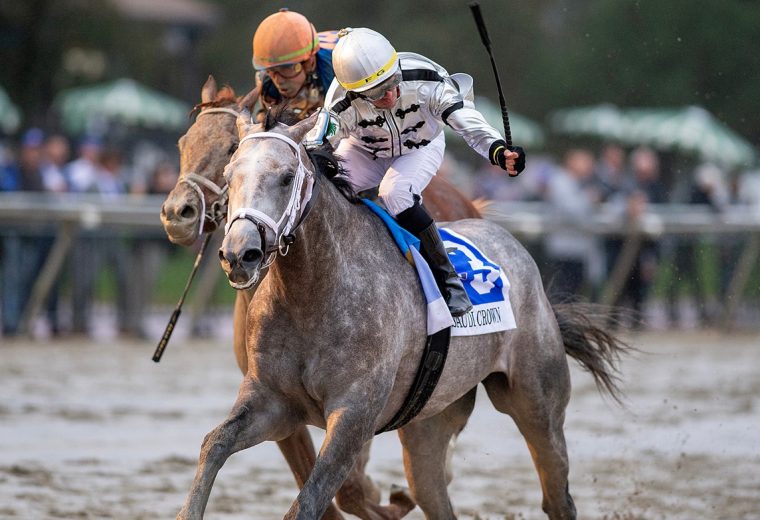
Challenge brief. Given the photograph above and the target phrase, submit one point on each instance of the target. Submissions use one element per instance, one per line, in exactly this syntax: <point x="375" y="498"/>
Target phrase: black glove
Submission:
<point x="496" y="154"/>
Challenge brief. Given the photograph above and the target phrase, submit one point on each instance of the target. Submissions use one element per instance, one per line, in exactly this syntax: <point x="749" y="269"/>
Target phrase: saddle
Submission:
<point x="487" y="288"/>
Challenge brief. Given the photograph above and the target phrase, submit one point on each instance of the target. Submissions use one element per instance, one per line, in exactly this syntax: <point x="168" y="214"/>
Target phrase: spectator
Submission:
<point x="56" y="155"/>
<point x="611" y="176"/>
<point x="83" y="171"/>
<point x="648" y="189"/>
<point x="708" y="189"/>
<point x="570" y="252"/>
<point x="148" y="257"/>
<point x="613" y="180"/>
<point x="25" y="250"/>
<point x="8" y="168"/>
<point x="102" y="173"/>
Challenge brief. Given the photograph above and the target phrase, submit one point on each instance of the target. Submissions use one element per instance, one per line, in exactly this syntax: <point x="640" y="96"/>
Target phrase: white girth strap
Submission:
<point x="287" y="221"/>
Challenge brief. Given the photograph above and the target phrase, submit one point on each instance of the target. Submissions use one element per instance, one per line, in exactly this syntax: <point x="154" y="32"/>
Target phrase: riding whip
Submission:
<point x="178" y="310"/>
<point x="475" y="7"/>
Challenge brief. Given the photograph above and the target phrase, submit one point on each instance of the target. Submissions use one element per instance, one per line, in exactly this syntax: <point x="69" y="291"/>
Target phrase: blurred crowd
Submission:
<point x="53" y="164"/>
<point x="575" y="265"/>
<point x="625" y="183"/>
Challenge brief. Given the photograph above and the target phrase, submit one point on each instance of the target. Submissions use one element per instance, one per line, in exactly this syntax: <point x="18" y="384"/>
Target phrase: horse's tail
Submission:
<point x="597" y="350"/>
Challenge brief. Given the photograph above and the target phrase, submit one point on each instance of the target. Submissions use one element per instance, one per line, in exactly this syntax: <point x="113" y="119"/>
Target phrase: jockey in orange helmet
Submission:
<point x="293" y="62"/>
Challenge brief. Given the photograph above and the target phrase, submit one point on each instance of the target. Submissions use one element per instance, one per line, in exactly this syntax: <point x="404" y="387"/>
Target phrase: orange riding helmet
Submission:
<point x="284" y="38"/>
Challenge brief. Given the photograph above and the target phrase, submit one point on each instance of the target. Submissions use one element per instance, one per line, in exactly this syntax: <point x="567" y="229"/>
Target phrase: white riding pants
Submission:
<point x="399" y="178"/>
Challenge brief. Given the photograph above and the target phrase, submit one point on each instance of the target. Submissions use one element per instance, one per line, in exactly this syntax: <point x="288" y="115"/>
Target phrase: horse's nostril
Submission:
<point x="187" y="212"/>
<point x="251" y="255"/>
<point x="163" y="210"/>
<point x="221" y="256"/>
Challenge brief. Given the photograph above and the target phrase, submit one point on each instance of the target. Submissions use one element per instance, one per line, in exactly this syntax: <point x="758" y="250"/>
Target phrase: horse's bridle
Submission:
<point x="218" y="208"/>
<point x="292" y="216"/>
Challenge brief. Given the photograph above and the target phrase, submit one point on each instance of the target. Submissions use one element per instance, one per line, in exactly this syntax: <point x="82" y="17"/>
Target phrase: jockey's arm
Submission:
<point x="461" y="116"/>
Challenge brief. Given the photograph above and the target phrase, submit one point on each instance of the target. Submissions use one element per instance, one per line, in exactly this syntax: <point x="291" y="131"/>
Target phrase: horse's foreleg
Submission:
<point x="298" y="450"/>
<point x="255" y="417"/>
<point x="426" y="443"/>
<point x="348" y="428"/>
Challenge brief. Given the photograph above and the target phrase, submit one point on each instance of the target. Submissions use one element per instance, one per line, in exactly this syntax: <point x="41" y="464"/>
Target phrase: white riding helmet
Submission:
<point x="363" y="59"/>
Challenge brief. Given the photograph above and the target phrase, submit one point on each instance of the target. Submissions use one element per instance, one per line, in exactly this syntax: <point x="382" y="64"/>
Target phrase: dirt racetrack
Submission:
<point x="97" y="430"/>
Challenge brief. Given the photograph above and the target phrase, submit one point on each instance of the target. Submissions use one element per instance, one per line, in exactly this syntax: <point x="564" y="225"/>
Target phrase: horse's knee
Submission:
<point x="216" y="445"/>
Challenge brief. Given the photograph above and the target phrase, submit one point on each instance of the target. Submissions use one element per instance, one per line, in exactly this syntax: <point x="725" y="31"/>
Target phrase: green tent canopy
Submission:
<point x="691" y="130"/>
<point x="124" y="101"/>
<point x="603" y="121"/>
<point x="10" y="117"/>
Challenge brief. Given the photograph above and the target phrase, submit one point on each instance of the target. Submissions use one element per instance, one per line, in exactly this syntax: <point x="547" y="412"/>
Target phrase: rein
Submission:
<point x="216" y="212"/>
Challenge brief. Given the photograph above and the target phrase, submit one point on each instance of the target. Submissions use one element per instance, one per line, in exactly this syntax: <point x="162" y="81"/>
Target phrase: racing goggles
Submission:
<point x="289" y="71"/>
<point x="377" y="93"/>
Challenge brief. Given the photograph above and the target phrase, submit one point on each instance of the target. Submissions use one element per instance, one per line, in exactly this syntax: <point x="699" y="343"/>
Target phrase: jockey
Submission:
<point x="293" y="63"/>
<point x="385" y="112"/>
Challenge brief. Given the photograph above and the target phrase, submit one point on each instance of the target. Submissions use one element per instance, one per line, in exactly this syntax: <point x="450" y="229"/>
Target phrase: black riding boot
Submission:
<point x="417" y="220"/>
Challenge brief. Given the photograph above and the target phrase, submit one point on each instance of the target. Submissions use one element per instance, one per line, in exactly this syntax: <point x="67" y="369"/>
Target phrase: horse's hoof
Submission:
<point x="401" y="499"/>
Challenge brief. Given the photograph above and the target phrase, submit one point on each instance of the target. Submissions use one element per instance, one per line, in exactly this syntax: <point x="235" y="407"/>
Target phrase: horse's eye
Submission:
<point x="232" y="149"/>
<point x="287" y="179"/>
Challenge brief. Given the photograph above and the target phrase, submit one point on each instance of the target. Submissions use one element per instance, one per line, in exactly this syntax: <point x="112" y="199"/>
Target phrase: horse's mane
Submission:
<point x="225" y="97"/>
<point x="323" y="158"/>
<point x="279" y="114"/>
<point x="331" y="166"/>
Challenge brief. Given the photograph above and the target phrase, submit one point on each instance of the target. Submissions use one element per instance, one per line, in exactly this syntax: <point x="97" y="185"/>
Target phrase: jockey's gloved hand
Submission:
<point x="520" y="161"/>
<point x="497" y="154"/>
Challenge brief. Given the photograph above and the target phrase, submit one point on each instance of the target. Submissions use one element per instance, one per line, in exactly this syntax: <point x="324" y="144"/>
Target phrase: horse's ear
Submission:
<point x="250" y="99"/>
<point x="209" y="90"/>
<point x="244" y="123"/>
<point x="300" y="129"/>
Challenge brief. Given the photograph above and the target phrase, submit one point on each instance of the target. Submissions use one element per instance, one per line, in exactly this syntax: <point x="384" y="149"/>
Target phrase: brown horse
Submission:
<point x="196" y="205"/>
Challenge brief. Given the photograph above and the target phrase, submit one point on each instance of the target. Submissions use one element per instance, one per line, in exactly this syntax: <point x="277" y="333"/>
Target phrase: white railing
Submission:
<point x="66" y="215"/>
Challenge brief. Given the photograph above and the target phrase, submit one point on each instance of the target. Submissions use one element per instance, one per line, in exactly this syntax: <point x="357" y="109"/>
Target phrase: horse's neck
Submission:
<point x="322" y="242"/>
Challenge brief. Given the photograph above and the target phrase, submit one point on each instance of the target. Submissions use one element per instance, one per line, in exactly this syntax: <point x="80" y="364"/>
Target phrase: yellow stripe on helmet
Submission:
<point x="372" y="77"/>
<point x="286" y="59"/>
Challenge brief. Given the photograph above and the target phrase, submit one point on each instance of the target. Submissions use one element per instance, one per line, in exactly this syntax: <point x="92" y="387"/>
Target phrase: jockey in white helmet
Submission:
<point x="386" y="114"/>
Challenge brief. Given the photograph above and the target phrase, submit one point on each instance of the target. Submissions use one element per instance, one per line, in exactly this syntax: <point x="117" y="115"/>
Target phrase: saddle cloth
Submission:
<point x="485" y="282"/>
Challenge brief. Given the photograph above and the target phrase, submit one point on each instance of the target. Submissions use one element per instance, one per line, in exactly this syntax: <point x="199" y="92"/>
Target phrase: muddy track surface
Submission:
<point x="97" y="430"/>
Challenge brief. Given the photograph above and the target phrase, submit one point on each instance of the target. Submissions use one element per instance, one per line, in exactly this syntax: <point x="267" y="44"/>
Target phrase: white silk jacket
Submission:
<point x="428" y="98"/>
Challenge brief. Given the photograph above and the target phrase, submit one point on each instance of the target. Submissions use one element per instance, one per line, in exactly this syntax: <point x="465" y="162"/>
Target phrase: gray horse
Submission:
<point x="335" y="336"/>
<point x="196" y="205"/>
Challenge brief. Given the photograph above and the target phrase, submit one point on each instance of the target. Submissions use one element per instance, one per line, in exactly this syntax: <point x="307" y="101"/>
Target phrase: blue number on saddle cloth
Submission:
<point x="484" y="281"/>
<point x="486" y="285"/>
